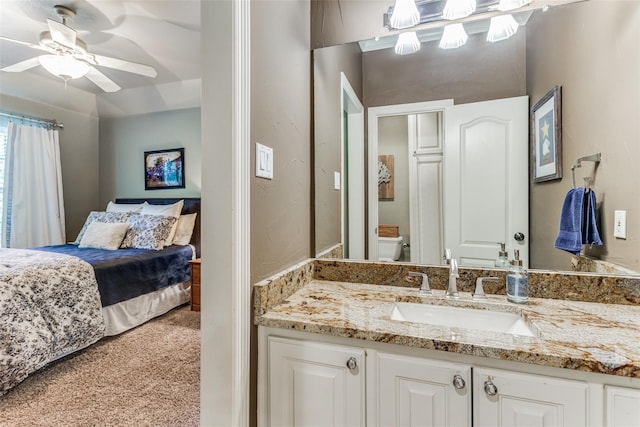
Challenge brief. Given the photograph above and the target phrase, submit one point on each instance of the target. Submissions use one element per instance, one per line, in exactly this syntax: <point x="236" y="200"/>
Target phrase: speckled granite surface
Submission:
<point x="586" y="336"/>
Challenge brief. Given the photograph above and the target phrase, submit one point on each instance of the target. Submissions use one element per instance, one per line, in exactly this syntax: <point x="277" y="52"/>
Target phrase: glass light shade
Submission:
<point x="405" y="14"/>
<point x="456" y="9"/>
<point x="453" y="36"/>
<point x="501" y="28"/>
<point x="407" y="43"/>
<point x="512" y="4"/>
<point x="64" y="66"/>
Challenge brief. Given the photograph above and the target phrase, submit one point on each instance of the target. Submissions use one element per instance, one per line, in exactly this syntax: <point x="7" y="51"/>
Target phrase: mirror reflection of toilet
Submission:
<point x="389" y="242"/>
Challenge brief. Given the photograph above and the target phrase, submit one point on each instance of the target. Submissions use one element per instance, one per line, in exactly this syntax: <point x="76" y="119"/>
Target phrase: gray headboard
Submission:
<point x="191" y="205"/>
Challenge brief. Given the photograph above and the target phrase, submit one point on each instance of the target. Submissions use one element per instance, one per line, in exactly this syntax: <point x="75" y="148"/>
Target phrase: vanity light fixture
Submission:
<point x="501" y="28"/>
<point x="505" y="5"/>
<point x="453" y="36"/>
<point x="405" y="14"/>
<point x="456" y="9"/>
<point x="407" y="43"/>
<point x="64" y="66"/>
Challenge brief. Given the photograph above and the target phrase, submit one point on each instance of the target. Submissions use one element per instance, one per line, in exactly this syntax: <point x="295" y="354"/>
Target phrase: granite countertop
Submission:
<point x="585" y="336"/>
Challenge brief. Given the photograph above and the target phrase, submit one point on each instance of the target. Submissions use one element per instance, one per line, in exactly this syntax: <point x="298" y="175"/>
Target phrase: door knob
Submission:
<point x="458" y="382"/>
<point x="519" y="236"/>
<point x="352" y="363"/>
<point x="490" y="388"/>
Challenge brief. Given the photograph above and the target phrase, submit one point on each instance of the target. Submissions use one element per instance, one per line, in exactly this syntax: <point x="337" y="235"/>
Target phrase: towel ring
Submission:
<point x="588" y="180"/>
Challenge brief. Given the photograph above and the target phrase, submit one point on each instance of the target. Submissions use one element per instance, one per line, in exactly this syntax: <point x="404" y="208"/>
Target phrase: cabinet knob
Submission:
<point x="490" y="388"/>
<point x="458" y="382"/>
<point x="352" y="363"/>
<point x="519" y="236"/>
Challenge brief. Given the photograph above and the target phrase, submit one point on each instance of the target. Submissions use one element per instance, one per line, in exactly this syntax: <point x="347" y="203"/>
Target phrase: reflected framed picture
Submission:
<point x="546" y="137"/>
<point x="164" y="169"/>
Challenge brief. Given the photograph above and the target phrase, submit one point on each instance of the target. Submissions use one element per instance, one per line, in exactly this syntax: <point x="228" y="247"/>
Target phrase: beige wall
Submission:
<point x="280" y="118"/>
<point x="328" y="63"/>
<point x="477" y="71"/>
<point x="78" y="156"/>
<point x="123" y="141"/>
<point x="594" y="52"/>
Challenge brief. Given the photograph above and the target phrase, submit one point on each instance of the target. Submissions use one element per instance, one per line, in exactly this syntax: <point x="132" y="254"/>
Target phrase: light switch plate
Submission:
<point x="264" y="161"/>
<point x="336" y="180"/>
<point x="620" y="224"/>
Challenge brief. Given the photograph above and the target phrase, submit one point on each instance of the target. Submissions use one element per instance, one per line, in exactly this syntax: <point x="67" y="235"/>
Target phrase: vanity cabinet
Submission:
<point x="505" y="398"/>
<point x="315" y="384"/>
<point x="622" y="407"/>
<point x="410" y="391"/>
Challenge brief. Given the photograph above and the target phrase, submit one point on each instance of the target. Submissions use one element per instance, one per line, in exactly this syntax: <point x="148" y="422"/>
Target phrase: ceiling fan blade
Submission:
<point x="62" y="34"/>
<point x="119" y="64"/>
<point x="102" y="81"/>
<point x="31" y="45"/>
<point x="22" y="66"/>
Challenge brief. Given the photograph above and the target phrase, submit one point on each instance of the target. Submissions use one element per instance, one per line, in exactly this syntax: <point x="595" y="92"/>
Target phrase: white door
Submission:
<point x="419" y="392"/>
<point x="486" y="197"/>
<point x="504" y="398"/>
<point x="312" y="384"/>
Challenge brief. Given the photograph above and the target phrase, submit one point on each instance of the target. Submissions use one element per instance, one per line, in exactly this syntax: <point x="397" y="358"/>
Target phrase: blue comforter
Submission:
<point x="127" y="273"/>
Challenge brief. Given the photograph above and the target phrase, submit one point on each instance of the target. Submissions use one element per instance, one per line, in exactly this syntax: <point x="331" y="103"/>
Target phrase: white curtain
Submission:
<point x="33" y="208"/>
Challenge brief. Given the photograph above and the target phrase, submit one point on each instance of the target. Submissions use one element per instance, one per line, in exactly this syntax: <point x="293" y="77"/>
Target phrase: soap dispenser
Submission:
<point x="517" y="281"/>
<point x="503" y="257"/>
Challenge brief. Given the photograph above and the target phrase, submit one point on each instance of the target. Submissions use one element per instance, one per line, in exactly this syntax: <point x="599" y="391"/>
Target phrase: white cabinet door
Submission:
<point x="622" y="407"/>
<point x="312" y="384"/>
<point x="416" y="392"/>
<point x="503" y="398"/>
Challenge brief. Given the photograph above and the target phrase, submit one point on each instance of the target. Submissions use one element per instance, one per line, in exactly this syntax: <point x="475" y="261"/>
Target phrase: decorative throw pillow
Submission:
<point x="173" y="210"/>
<point x="102" y="235"/>
<point x="124" y="207"/>
<point x="148" y="231"/>
<point x="184" y="229"/>
<point x="108" y="217"/>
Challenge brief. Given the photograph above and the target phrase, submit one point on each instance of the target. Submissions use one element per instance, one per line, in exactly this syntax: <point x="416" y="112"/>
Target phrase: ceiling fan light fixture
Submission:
<point x="405" y="14"/>
<point x="501" y="28"/>
<point x="407" y="43"/>
<point x="456" y="9"/>
<point x="453" y="36"/>
<point x="64" y="66"/>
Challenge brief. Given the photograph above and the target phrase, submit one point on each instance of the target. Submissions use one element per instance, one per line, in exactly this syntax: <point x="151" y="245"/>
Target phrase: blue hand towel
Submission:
<point x="570" y="236"/>
<point x="590" y="235"/>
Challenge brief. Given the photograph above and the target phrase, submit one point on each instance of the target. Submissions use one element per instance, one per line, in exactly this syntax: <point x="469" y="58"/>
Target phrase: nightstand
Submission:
<point x="195" y="284"/>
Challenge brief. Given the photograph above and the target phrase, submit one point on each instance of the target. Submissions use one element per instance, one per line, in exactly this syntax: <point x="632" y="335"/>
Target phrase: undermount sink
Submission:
<point x="461" y="317"/>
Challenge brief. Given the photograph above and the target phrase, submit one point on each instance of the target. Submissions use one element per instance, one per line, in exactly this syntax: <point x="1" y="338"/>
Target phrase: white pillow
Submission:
<point x="123" y="207"/>
<point x="96" y="216"/>
<point x="104" y="235"/>
<point x="184" y="229"/>
<point x="173" y="210"/>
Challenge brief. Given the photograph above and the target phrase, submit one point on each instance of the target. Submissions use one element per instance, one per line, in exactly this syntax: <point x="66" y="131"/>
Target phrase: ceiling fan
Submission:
<point x="68" y="57"/>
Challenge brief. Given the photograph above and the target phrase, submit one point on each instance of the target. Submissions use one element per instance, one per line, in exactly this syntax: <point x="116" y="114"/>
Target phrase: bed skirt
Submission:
<point x="128" y="314"/>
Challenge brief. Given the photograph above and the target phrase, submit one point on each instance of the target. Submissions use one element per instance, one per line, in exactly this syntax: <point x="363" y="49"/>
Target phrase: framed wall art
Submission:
<point x="164" y="169"/>
<point x="546" y="137"/>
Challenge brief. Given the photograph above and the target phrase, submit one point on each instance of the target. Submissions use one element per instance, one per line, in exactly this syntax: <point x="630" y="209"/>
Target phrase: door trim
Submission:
<point x="373" y="114"/>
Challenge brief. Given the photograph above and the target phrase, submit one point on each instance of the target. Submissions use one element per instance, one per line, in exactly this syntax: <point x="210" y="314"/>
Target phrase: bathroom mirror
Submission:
<point x="591" y="49"/>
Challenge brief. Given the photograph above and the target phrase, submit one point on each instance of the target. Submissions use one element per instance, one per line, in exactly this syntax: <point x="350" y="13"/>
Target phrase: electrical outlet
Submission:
<point x="620" y="224"/>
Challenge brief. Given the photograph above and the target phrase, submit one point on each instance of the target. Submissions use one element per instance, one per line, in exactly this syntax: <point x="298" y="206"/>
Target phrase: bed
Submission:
<point x="56" y="300"/>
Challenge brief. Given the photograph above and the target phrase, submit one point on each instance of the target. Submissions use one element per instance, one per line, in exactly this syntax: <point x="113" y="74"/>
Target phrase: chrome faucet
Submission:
<point x="452" y="290"/>
<point x="424" y="282"/>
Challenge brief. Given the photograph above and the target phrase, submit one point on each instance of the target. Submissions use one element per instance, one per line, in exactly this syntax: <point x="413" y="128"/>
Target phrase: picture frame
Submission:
<point x="164" y="169"/>
<point x="546" y="137"/>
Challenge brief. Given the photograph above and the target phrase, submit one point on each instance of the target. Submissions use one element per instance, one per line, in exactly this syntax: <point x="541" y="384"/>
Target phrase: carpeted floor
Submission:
<point x="148" y="376"/>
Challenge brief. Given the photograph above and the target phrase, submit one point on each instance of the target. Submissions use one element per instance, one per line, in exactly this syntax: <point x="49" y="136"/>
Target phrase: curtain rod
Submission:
<point x="52" y="123"/>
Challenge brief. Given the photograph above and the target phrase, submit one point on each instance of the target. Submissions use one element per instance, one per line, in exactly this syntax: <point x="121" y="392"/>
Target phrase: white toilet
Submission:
<point x="389" y="248"/>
